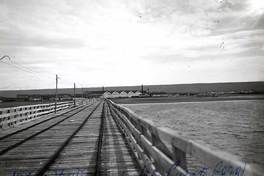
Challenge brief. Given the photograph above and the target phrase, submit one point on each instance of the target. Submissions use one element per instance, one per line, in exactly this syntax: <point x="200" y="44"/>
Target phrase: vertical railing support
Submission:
<point x="74" y="96"/>
<point x="56" y="94"/>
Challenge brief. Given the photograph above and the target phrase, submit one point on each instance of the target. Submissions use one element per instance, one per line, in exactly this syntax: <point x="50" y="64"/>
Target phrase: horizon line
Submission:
<point x="134" y="85"/>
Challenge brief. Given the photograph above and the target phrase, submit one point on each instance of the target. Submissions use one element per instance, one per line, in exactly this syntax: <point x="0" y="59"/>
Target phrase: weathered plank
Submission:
<point x="35" y="152"/>
<point x="79" y="156"/>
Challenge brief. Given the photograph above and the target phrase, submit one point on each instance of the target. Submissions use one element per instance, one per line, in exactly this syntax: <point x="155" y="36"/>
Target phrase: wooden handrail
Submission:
<point x="12" y="116"/>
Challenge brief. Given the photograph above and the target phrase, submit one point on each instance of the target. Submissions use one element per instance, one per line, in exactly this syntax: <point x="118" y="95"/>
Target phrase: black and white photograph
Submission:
<point x="131" y="88"/>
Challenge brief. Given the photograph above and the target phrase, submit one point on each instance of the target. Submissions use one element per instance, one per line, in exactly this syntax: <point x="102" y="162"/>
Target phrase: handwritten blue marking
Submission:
<point x="220" y="169"/>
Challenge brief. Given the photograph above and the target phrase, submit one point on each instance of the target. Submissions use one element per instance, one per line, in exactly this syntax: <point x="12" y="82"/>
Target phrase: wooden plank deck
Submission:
<point x="107" y="139"/>
<point x="80" y="142"/>
<point x="117" y="157"/>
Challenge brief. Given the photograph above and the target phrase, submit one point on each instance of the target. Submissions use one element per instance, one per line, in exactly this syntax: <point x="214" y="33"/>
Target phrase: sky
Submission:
<point x="130" y="42"/>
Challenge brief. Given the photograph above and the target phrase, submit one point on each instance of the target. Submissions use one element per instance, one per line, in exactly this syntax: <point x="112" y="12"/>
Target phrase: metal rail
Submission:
<point x="133" y="158"/>
<point x="37" y="133"/>
<point x="74" y="144"/>
<point x="99" y="144"/>
<point x="53" y="158"/>
<point x="131" y="141"/>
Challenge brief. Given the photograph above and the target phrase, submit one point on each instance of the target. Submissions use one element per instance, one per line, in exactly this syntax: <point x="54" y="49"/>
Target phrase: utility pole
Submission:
<point x="74" y="95"/>
<point x="56" y="94"/>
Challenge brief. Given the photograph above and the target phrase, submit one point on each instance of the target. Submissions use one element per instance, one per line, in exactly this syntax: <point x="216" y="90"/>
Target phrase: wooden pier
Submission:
<point x="103" y="138"/>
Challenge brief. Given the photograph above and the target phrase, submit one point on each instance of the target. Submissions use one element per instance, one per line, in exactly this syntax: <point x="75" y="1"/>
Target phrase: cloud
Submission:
<point x="31" y="24"/>
<point x="235" y="45"/>
<point x="260" y="22"/>
<point x="24" y="40"/>
<point x="85" y="37"/>
<point x="234" y="5"/>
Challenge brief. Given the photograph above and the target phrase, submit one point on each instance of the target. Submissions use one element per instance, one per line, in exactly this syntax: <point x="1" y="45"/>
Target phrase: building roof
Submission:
<point x="119" y="91"/>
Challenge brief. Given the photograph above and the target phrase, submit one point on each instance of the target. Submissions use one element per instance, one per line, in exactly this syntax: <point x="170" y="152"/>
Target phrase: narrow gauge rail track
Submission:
<point x="117" y="157"/>
<point x="48" y="118"/>
<point x="96" y="148"/>
<point x="20" y="136"/>
<point x="24" y="152"/>
<point x="57" y="153"/>
<point x="87" y="143"/>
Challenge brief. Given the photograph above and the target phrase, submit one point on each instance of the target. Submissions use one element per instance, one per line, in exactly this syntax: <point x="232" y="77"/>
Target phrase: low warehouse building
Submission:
<point x="121" y="94"/>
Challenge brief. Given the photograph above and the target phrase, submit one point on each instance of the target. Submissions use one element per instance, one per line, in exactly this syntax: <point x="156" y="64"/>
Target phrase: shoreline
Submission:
<point x="172" y="99"/>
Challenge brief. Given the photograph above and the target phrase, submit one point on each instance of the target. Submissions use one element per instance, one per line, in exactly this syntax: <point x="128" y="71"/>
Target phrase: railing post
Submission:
<point x="74" y="95"/>
<point x="56" y="94"/>
<point x="180" y="158"/>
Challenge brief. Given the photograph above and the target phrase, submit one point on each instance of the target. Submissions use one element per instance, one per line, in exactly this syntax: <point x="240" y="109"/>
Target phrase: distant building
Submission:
<point x="159" y="94"/>
<point x="130" y="94"/>
<point x="35" y="98"/>
<point x="93" y="94"/>
<point x="41" y="97"/>
<point x="65" y="97"/>
<point x="137" y="94"/>
<point x="107" y="94"/>
<point x="23" y="97"/>
<point x="115" y="94"/>
<point x="121" y="94"/>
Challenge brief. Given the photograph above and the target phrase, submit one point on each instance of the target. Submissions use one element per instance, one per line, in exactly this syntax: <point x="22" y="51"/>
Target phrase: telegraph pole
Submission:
<point x="56" y="94"/>
<point x="74" y="95"/>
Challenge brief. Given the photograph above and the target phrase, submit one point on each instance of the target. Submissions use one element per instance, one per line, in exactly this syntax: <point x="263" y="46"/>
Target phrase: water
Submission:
<point x="233" y="126"/>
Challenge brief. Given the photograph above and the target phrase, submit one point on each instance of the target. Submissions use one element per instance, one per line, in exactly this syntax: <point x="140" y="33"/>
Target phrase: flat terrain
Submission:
<point x="235" y="126"/>
<point x="21" y="103"/>
<point x="171" y="88"/>
<point x="172" y="99"/>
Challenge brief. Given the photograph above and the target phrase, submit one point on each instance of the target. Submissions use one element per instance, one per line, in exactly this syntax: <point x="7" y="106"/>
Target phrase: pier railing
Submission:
<point x="163" y="151"/>
<point x="12" y="116"/>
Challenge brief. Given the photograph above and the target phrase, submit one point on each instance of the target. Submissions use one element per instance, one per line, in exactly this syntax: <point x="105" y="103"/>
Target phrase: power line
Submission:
<point x="5" y="56"/>
<point x="19" y="65"/>
<point x="20" y="68"/>
<point x="50" y="75"/>
<point x="25" y="69"/>
<point x="12" y="63"/>
<point x="31" y="71"/>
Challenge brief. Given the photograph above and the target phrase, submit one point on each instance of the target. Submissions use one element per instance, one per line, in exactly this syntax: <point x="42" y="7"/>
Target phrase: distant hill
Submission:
<point x="174" y="88"/>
